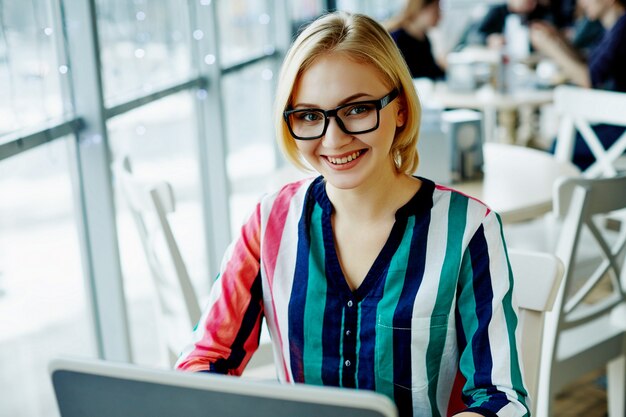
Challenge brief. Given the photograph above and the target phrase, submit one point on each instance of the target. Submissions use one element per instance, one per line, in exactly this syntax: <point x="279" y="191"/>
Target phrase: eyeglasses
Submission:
<point x="352" y="118"/>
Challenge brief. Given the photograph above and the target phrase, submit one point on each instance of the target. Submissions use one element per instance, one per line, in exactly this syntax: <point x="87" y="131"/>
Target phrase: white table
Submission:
<point x="518" y="181"/>
<point x="499" y="109"/>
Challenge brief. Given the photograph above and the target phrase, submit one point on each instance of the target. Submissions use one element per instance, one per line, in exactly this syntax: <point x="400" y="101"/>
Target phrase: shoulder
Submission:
<point x="400" y="36"/>
<point x="286" y="197"/>
<point x="459" y="203"/>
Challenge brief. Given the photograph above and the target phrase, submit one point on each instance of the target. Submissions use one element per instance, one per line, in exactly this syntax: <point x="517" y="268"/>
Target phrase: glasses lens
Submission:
<point x="359" y="117"/>
<point x="307" y="123"/>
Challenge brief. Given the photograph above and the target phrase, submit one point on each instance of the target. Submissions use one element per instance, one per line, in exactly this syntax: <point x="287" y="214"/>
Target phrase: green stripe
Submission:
<point x="457" y="217"/>
<point x="469" y="320"/>
<point x="386" y="309"/>
<point x="343" y="321"/>
<point x="358" y="344"/>
<point x="312" y="355"/>
<point x="511" y="325"/>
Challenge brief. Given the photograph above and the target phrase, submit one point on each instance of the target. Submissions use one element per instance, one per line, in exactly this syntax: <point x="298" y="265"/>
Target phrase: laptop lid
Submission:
<point x="95" y="388"/>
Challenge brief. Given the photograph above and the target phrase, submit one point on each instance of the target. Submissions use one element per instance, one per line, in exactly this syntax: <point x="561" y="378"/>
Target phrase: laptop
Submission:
<point x="96" y="388"/>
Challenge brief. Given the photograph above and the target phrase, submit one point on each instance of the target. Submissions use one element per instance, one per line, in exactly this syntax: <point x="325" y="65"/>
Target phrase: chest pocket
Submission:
<point x="409" y="356"/>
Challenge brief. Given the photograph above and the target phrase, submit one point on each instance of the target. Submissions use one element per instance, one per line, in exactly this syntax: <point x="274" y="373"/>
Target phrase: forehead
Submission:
<point x="332" y="77"/>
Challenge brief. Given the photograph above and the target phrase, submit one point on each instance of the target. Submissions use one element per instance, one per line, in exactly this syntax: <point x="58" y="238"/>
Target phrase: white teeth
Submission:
<point x="345" y="159"/>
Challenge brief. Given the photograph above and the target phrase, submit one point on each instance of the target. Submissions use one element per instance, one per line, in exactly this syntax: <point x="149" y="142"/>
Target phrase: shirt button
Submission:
<point x="347" y="363"/>
<point x="348" y="332"/>
<point x="350" y="303"/>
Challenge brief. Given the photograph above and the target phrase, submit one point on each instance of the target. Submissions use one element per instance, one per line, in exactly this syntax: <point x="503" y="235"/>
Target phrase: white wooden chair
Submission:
<point x="178" y="306"/>
<point x="579" y="108"/>
<point x="586" y="329"/>
<point x="537" y="278"/>
<point x="150" y="203"/>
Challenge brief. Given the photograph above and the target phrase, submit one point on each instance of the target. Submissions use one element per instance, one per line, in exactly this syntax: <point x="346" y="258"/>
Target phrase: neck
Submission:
<point x="415" y="30"/>
<point x="375" y="200"/>
<point x="609" y="18"/>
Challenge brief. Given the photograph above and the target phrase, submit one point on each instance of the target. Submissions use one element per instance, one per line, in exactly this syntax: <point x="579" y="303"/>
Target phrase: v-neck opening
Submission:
<point x="334" y="273"/>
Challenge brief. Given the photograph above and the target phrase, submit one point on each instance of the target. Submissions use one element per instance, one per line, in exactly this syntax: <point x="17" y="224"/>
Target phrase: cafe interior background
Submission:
<point x="182" y="88"/>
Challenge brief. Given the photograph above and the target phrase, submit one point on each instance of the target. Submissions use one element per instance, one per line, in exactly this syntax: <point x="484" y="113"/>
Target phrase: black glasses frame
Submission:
<point x="379" y="104"/>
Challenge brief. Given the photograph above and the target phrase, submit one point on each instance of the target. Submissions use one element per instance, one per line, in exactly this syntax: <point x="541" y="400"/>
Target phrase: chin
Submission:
<point x="343" y="181"/>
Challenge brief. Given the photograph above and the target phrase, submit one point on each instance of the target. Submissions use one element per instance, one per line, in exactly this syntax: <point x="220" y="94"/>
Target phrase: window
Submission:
<point x="43" y="301"/>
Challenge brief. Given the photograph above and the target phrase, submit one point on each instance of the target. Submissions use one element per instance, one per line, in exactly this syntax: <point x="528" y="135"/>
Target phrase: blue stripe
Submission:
<point x="416" y="261"/>
<point x="331" y="329"/>
<point x="367" y="332"/>
<point x="250" y="321"/>
<point x="483" y="294"/>
<point x="297" y="300"/>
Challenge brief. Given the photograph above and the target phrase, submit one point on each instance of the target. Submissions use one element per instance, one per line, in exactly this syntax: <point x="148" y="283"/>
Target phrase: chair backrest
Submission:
<point x="582" y="333"/>
<point x="537" y="278"/>
<point x="579" y="108"/>
<point x="150" y="203"/>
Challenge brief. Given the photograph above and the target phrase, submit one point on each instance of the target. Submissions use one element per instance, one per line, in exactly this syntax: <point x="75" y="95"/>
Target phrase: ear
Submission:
<point x="401" y="112"/>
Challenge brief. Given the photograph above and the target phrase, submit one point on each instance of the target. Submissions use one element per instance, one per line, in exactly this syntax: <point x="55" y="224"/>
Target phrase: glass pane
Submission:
<point x="144" y="44"/>
<point x="43" y="306"/>
<point x="378" y="9"/>
<point x="160" y="139"/>
<point x="31" y="70"/>
<point x="303" y="12"/>
<point x="244" y="30"/>
<point x="251" y="147"/>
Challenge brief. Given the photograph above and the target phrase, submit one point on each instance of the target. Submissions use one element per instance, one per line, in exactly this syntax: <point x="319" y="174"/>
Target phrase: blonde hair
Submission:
<point x="364" y="40"/>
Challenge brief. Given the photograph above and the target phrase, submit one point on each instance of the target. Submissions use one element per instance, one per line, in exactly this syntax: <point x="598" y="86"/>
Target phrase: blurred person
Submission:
<point x="368" y="277"/>
<point x="575" y="26"/>
<point x="409" y="30"/>
<point x="490" y="30"/>
<point x="604" y="69"/>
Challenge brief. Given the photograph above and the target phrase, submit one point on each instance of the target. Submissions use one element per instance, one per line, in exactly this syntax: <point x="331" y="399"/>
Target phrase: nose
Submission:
<point x="335" y="137"/>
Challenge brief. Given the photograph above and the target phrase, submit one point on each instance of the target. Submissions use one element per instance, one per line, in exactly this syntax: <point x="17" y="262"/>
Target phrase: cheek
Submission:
<point x="306" y="147"/>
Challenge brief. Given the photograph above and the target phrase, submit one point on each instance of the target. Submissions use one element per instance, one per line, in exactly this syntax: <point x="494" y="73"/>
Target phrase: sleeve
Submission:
<point x="603" y="62"/>
<point x="493" y="21"/>
<point x="228" y="332"/>
<point x="489" y="359"/>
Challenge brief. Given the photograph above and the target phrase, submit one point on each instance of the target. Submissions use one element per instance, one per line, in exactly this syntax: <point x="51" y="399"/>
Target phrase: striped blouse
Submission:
<point x="435" y="307"/>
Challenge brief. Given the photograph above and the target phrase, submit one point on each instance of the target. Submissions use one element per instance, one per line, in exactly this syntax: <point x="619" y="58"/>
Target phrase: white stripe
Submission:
<point x="425" y="300"/>
<point x="512" y="409"/>
<point x="283" y="279"/>
<point x="498" y="332"/>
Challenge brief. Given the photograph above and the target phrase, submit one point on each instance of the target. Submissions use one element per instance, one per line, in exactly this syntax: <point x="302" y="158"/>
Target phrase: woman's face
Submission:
<point x="595" y="9"/>
<point x="347" y="161"/>
<point x="431" y="14"/>
<point x="426" y="18"/>
<point x="522" y="6"/>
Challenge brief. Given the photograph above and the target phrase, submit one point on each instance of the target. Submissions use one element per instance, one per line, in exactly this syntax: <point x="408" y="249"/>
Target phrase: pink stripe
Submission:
<point x="271" y="245"/>
<point x="237" y="278"/>
<point x="444" y="188"/>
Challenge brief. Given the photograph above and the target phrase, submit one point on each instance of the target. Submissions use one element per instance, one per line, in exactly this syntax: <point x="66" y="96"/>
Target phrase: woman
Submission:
<point x="409" y="30"/>
<point x="492" y="27"/>
<point x="606" y="66"/>
<point x="368" y="277"/>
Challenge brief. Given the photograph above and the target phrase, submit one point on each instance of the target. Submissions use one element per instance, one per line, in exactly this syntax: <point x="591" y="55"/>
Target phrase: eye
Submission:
<point x="309" y="116"/>
<point x="360" y="109"/>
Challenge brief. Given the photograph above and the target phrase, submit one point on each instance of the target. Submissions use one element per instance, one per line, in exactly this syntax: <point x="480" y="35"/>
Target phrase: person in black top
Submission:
<point x="605" y="68"/>
<point x="490" y="30"/>
<point x="409" y="31"/>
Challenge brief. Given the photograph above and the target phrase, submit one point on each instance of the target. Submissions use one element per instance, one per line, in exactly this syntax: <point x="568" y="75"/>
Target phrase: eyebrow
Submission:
<point x="341" y="103"/>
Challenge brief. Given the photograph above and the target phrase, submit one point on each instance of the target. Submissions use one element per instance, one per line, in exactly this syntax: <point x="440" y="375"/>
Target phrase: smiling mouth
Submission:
<point x="345" y="159"/>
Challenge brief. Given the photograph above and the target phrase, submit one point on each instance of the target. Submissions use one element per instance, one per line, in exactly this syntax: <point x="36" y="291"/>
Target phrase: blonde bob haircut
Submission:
<point x="364" y="40"/>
